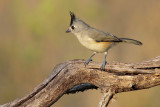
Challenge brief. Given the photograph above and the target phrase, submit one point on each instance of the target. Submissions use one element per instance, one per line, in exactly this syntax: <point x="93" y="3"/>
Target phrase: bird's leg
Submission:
<point x="89" y="59"/>
<point x="104" y="62"/>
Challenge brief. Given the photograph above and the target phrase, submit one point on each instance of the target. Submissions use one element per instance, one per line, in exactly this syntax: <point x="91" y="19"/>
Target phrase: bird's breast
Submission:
<point x="93" y="45"/>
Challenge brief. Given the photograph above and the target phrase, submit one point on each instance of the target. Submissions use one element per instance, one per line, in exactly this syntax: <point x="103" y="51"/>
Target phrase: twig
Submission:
<point x="106" y="98"/>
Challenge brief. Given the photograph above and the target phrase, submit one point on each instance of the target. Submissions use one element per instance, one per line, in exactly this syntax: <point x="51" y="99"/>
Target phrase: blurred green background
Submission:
<point x="33" y="41"/>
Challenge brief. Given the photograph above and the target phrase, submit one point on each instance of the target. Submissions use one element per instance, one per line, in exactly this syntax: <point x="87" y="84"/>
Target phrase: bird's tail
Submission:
<point x="127" y="40"/>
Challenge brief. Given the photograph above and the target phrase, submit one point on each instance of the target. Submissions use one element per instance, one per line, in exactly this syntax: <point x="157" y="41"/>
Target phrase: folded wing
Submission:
<point x="100" y="36"/>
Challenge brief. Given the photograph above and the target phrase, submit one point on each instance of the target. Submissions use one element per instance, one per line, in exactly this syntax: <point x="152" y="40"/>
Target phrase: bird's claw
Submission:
<point x="103" y="65"/>
<point x="87" y="61"/>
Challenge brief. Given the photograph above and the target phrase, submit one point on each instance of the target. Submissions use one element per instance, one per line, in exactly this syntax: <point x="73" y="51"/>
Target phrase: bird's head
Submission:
<point x="76" y="25"/>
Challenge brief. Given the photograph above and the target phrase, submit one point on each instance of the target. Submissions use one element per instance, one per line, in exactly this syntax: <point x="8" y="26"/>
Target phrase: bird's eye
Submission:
<point x="72" y="27"/>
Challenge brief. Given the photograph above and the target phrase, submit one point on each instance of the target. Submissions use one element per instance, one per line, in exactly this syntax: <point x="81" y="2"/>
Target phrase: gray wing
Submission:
<point x="101" y="36"/>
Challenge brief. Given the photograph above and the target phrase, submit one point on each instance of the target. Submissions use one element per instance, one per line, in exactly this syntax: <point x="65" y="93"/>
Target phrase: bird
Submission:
<point x="94" y="39"/>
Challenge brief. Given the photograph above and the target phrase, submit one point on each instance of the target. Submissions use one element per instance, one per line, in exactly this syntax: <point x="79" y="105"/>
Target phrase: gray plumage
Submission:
<point x="100" y="36"/>
<point x="94" y="39"/>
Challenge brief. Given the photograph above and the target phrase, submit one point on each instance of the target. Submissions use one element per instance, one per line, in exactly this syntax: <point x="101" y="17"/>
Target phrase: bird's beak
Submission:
<point x="68" y="31"/>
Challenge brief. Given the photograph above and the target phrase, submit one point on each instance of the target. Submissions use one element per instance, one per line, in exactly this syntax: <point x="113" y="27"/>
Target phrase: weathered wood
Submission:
<point x="106" y="98"/>
<point x="72" y="76"/>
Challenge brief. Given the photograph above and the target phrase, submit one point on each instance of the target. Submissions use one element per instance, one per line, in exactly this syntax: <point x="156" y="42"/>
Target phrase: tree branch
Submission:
<point x="106" y="98"/>
<point x="72" y="76"/>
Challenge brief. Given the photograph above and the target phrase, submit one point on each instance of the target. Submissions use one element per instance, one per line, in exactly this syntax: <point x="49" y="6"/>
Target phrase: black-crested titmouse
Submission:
<point x="94" y="39"/>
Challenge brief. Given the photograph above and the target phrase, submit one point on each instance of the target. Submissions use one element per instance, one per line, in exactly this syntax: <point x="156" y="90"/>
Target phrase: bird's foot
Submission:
<point x="103" y="65"/>
<point x="87" y="61"/>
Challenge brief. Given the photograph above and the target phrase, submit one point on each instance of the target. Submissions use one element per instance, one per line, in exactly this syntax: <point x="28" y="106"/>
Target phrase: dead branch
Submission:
<point x="72" y="76"/>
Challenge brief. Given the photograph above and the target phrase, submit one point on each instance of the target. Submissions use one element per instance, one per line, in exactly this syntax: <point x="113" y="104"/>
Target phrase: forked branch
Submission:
<point x="72" y="76"/>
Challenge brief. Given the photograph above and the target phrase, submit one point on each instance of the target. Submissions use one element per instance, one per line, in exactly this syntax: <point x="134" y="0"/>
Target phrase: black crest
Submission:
<point x="73" y="17"/>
